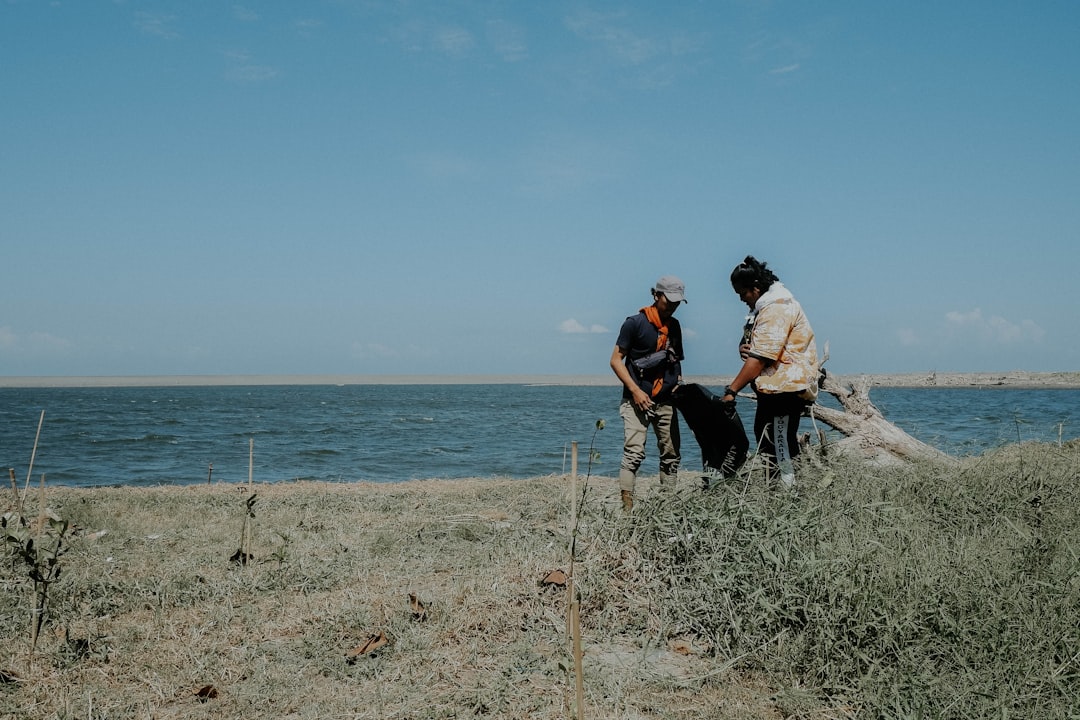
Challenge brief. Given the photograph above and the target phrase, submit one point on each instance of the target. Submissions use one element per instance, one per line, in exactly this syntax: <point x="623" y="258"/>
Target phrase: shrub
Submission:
<point x="919" y="591"/>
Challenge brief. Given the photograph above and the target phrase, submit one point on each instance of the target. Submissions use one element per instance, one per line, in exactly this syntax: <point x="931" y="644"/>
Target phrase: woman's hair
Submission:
<point x="752" y="273"/>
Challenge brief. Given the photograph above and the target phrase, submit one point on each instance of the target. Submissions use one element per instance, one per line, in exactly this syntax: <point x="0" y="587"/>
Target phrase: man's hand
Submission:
<point x="641" y="399"/>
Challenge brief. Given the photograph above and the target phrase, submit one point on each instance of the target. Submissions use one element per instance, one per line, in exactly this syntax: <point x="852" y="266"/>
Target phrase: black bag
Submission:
<point x="653" y="360"/>
<point x="717" y="428"/>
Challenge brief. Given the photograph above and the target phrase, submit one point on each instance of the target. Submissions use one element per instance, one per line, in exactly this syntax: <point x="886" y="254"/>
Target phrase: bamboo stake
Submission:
<point x="245" y="535"/>
<point x="41" y="508"/>
<point x="573" y="539"/>
<point x="578" y="672"/>
<point x="30" y="470"/>
<point x="574" y="603"/>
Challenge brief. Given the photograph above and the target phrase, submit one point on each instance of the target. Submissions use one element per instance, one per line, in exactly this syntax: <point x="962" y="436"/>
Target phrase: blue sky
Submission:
<point x="405" y="187"/>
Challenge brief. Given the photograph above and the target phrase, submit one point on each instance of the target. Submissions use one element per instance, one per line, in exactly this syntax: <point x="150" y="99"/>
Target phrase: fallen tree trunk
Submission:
<point x="866" y="428"/>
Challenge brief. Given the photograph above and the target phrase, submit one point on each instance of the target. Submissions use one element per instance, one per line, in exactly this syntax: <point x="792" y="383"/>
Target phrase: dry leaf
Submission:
<point x="682" y="647"/>
<point x="419" y="612"/>
<point x="555" y="577"/>
<point x="374" y="642"/>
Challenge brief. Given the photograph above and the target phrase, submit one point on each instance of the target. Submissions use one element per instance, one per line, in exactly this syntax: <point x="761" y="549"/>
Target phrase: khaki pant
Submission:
<point x="665" y="425"/>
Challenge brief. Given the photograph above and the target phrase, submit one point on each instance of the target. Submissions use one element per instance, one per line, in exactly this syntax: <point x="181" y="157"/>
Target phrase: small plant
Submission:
<point x="594" y="454"/>
<point x="39" y="550"/>
<point x="243" y="555"/>
<point x="281" y="555"/>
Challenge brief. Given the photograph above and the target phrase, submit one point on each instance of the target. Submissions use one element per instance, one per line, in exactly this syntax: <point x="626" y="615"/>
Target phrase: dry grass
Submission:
<point x="152" y="620"/>
<point x="945" y="591"/>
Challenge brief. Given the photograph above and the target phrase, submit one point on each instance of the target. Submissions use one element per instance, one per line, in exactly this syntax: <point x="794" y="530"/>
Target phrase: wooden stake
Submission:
<point x="578" y="670"/>
<point x="30" y="470"/>
<point x="251" y="461"/>
<point x="573" y="539"/>
<point x="41" y="509"/>
<point x="573" y="618"/>
<point x="14" y="488"/>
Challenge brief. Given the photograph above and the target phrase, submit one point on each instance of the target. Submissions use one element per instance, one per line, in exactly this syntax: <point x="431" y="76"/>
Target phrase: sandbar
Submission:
<point x="1012" y="378"/>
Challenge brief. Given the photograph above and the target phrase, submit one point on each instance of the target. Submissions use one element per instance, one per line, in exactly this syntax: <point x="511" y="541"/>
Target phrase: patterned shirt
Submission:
<point x="781" y="335"/>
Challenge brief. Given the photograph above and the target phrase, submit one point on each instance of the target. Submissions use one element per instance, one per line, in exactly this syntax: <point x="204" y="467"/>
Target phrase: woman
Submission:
<point x="780" y="362"/>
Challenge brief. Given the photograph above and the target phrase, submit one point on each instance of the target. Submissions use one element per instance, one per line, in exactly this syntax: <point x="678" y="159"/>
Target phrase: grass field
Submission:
<point x="913" y="592"/>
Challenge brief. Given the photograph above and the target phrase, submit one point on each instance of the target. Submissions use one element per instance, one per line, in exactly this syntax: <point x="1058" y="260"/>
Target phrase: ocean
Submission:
<point x="99" y="436"/>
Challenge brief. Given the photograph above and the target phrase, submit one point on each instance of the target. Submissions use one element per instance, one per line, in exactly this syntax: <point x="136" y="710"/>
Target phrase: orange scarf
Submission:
<point x="653" y="316"/>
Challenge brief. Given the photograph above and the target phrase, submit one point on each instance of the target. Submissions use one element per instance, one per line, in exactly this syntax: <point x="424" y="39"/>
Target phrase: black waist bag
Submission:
<point x="653" y="360"/>
<point x="717" y="428"/>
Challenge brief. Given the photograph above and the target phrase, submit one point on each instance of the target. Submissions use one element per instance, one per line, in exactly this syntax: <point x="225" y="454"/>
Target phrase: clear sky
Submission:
<point x="412" y="187"/>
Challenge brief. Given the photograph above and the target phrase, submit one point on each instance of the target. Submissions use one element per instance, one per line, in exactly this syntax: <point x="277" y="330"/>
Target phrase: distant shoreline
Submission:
<point x="1012" y="378"/>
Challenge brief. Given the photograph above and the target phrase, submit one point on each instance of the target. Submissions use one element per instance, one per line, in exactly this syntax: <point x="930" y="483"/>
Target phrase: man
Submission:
<point x="647" y="359"/>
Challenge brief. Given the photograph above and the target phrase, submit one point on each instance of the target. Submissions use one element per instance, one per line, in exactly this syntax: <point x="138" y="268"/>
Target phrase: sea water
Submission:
<point x="388" y="433"/>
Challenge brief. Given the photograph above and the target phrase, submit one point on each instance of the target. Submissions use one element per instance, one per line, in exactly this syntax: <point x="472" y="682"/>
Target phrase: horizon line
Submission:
<point x="580" y="379"/>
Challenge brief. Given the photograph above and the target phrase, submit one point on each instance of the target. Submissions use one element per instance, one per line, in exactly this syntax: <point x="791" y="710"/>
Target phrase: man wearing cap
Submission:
<point x="648" y="361"/>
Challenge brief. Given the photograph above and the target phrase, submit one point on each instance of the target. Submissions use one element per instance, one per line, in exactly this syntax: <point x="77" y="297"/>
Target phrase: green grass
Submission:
<point x="921" y="592"/>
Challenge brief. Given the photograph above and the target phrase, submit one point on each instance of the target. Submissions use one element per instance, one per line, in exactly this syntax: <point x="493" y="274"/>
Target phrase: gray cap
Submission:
<point x="672" y="287"/>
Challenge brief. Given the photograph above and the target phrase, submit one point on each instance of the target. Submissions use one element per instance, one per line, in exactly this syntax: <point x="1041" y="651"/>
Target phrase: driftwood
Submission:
<point x="866" y="429"/>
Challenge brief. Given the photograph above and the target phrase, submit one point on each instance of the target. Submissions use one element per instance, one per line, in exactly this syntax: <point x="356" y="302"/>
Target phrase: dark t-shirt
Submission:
<point x="637" y="339"/>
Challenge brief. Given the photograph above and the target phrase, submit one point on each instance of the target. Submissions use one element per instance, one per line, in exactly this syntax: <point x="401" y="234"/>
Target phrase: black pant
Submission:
<point x="776" y="425"/>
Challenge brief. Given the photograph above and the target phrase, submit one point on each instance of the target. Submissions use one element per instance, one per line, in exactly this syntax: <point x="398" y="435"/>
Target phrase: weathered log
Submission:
<point x="866" y="428"/>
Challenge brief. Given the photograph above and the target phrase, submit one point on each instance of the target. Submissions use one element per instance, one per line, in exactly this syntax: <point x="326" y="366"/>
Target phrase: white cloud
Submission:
<point x="309" y="25"/>
<point x="446" y="165"/>
<point x="157" y="25"/>
<point x="609" y="31"/>
<point x="36" y="342"/>
<point x="244" y="14"/>
<point x="907" y="337"/>
<point x="573" y="327"/>
<point x="994" y="328"/>
<point x="784" y="70"/>
<point x="243" y="70"/>
<point x="372" y="351"/>
<point x="48" y="342"/>
<point x="508" y="40"/>
<point x="8" y="338"/>
<point x="453" y="40"/>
